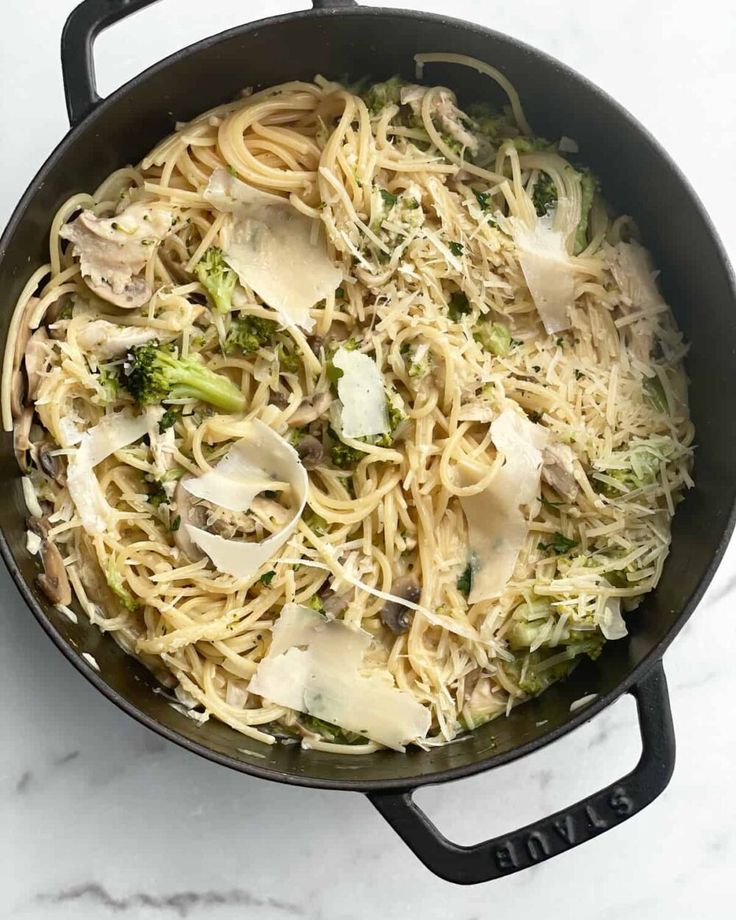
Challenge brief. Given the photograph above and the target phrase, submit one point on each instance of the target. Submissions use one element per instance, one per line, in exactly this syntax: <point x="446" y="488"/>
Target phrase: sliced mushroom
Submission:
<point x="37" y="356"/>
<point x="49" y="463"/>
<point x="108" y="340"/>
<point x="113" y="252"/>
<point x="558" y="470"/>
<point x="189" y="514"/>
<point x="53" y="581"/>
<point x="310" y="409"/>
<point x="21" y="438"/>
<point x="395" y="615"/>
<point x="311" y="452"/>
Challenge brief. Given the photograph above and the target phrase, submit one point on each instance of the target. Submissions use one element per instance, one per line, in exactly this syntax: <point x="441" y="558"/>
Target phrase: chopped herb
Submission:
<point x="169" y="419"/>
<point x="534" y="416"/>
<point x="340" y="292"/>
<point x="267" y="577"/>
<point x="465" y="581"/>
<point x="458" y="306"/>
<point x="455" y="248"/>
<point x="315" y="603"/>
<point x="67" y="311"/>
<point x="388" y="199"/>
<point x="483" y="199"/>
<point x="559" y="342"/>
<point x="544" y="195"/>
<point x="578" y="374"/>
<point x="157" y="493"/>
<point x="115" y="582"/>
<point x="562" y="544"/>
<point x="175" y="524"/>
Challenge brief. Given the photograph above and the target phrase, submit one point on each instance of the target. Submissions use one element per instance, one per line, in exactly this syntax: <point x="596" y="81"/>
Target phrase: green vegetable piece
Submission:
<point x="316" y="523"/>
<point x="110" y="383"/>
<point x="289" y="360"/>
<point x="494" y="337"/>
<point x="169" y="419"/>
<point x="267" y="577"/>
<point x="455" y="248"/>
<point x="330" y="732"/>
<point x="115" y="582"/>
<point x="388" y="199"/>
<point x="379" y="95"/>
<point x="483" y="199"/>
<point x="315" y="603"/>
<point x="345" y="457"/>
<point x="249" y="333"/>
<point x="157" y="493"/>
<point x="544" y="194"/>
<point x="562" y="544"/>
<point x="217" y="277"/>
<point x="654" y="392"/>
<point x="155" y="373"/>
<point x="175" y="524"/>
<point x="588" y="187"/>
<point x="465" y="581"/>
<point x="458" y="306"/>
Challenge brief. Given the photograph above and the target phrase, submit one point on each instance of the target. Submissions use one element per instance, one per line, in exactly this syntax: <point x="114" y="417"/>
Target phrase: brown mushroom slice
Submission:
<point x="113" y="251"/>
<point x="37" y="357"/>
<point x="21" y="438"/>
<point x="311" y="451"/>
<point x="54" y="581"/>
<point x="49" y="463"/>
<point x="395" y="615"/>
<point x="310" y="409"/>
<point x="558" y="469"/>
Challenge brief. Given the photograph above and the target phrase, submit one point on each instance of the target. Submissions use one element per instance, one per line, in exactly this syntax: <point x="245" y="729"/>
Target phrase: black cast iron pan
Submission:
<point x="337" y="38"/>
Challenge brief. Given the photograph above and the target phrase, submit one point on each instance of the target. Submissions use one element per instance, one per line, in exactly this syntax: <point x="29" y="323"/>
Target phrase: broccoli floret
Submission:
<point x="379" y="95"/>
<point x="345" y="457"/>
<point x="544" y="195"/>
<point x="494" y="337"/>
<point x="330" y="732"/>
<point x="110" y="384"/>
<point x="249" y="333"/>
<point x="588" y="188"/>
<point x="496" y="127"/>
<point x="154" y="373"/>
<point x="217" y="277"/>
<point x="115" y="582"/>
<point x="289" y="360"/>
<point x="316" y="523"/>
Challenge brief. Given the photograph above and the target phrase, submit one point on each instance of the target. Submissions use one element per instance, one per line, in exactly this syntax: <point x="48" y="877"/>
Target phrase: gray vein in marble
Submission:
<point x="24" y="782"/>
<point x="719" y="593"/>
<point x="66" y="758"/>
<point x="181" y="903"/>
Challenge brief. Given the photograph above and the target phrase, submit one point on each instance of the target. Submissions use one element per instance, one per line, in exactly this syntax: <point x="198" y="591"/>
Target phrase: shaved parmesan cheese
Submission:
<point x="261" y="460"/>
<point x="362" y="394"/>
<point x="548" y="271"/>
<point x="610" y="622"/>
<point x="275" y="250"/>
<point x="631" y="266"/>
<point x="113" y="433"/>
<point x="314" y="666"/>
<point x="30" y="498"/>
<point x="497" y="527"/>
<point x="33" y="542"/>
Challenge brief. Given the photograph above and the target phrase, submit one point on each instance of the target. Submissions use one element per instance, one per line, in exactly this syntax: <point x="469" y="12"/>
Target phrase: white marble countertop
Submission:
<point x="101" y="818"/>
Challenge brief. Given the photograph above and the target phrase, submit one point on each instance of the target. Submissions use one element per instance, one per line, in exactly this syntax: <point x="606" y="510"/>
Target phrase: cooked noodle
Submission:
<point x="412" y="220"/>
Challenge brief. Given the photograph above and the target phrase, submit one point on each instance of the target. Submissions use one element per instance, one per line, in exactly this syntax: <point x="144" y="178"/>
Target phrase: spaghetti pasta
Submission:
<point x="453" y="237"/>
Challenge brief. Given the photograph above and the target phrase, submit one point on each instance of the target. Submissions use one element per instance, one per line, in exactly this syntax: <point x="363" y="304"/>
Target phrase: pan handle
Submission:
<point x="559" y="832"/>
<point x="84" y="24"/>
